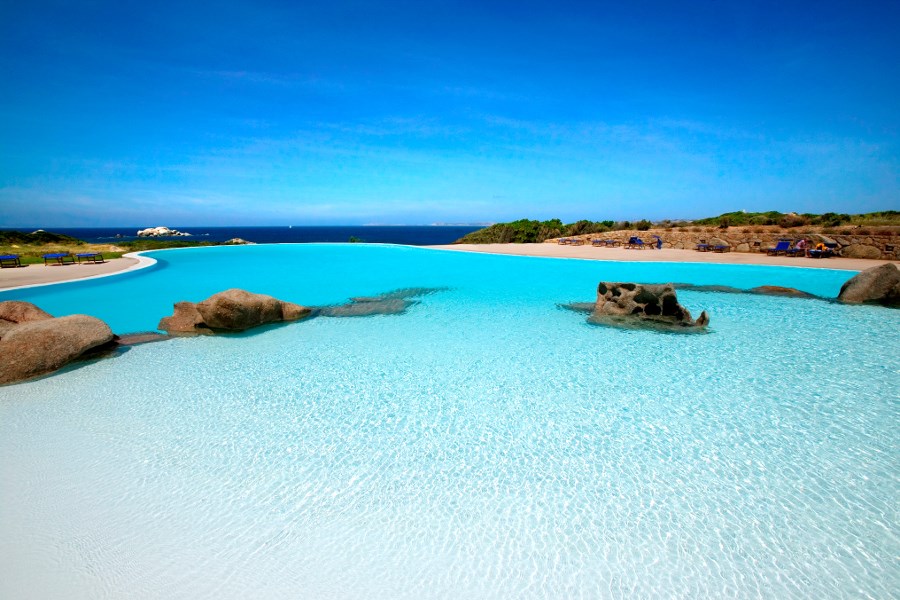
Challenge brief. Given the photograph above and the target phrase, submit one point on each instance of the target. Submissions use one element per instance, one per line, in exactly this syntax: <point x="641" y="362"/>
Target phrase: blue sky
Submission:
<point x="266" y="113"/>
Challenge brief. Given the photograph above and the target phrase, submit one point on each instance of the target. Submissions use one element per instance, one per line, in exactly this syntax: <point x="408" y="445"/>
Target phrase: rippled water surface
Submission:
<point x="485" y="444"/>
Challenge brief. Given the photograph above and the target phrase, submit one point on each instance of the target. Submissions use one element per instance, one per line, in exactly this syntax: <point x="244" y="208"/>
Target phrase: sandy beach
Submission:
<point x="41" y="274"/>
<point x="665" y="255"/>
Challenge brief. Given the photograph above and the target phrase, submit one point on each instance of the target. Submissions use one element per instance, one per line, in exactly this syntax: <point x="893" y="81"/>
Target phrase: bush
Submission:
<point x="791" y="221"/>
<point x="643" y="225"/>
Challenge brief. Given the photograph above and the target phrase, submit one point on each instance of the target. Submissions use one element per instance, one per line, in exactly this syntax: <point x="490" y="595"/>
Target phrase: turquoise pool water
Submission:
<point x="485" y="444"/>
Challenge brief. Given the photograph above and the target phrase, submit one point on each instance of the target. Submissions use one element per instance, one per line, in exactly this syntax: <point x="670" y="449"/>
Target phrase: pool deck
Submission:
<point x="666" y="255"/>
<point x="40" y="274"/>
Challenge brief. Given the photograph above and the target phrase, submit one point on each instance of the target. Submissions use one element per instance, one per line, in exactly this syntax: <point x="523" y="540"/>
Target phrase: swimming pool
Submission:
<point x="486" y="443"/>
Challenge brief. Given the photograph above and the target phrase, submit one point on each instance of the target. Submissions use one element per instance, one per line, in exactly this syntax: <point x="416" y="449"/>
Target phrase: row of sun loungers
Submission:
<point x="713" y="248"/>
<point x="784" y="248"/>
<point x="570" y="241"/>
<point x="55" y="258"/>
<point x="633" y="242"/>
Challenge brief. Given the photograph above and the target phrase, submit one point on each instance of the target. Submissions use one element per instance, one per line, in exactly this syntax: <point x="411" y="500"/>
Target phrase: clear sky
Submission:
<point x="342" y="112"/>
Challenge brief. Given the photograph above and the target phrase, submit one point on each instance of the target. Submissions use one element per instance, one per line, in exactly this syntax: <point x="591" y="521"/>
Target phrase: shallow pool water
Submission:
<point x="484" y="444"/>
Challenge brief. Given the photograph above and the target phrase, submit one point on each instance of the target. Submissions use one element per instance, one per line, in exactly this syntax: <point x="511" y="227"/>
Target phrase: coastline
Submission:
<point x="37" y="275"/>
<point x="620" y="254"/>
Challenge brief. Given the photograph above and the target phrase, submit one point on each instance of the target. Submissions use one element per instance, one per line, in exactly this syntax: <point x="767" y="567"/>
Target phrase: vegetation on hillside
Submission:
<point x="789" y="220"/>
<point x="31" y="247"/>
<point x="529" y="231"/>
<point x="37" y="238"/>
<point x="526" y="231"/>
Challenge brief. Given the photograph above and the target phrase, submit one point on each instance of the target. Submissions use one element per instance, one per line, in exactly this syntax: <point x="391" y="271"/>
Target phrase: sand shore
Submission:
<point x="665" y="255"/>
<point x="41" y="274"/>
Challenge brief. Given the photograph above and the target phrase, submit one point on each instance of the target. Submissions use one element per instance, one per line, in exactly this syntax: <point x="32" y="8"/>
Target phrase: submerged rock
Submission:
<point x="763" y="290"/>
<point x="636" y="305"/>
<point x="390" y="303"/>
<point x="878" y="285"/>
<point x="231" y="310"/>
<point x="43" y="345"/>
<point x="777" y="290"/>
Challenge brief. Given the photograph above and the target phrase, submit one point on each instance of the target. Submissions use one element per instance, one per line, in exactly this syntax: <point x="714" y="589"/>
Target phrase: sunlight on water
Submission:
<point x="485" y="444"/>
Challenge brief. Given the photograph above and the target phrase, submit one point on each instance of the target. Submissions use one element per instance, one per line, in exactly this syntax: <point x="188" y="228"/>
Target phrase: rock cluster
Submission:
<point x="878" y="285"/>
<point x="161" y="232"/>
<point x="634" y="304"/>
<point x="231" y="310"/>
<point x="237" y="242"/>
<point x="33" y="342"/>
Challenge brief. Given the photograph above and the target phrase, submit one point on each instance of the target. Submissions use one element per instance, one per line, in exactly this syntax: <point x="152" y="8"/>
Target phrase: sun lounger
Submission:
<point x="94" y="257"/>
<point x="576" y="242"/>
<point x="634" y="242"/>
<point x="722" y="248"/>
<point x="703" y="246"/>
<point x="563" y="241"/>
<point x="613" y="243"/>
<point x="598" y="243"/>
<point x="780" y="248"/>
<point x="60" y="258"/>
<point x="10" y="260"/>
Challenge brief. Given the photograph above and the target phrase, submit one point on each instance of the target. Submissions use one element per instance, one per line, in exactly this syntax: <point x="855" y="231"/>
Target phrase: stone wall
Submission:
<point x="867" y="244"/>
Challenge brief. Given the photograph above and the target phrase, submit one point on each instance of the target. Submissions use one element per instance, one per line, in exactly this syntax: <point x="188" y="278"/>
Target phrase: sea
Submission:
<point x="418" y="235"/>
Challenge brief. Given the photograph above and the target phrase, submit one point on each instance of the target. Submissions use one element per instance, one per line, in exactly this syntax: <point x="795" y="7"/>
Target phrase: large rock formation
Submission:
<point x="878" y="285"/>
<point x="861" y="251"/>
<point x="14" y="312"/>
<point x="231" y="310"/>
<point x="637" y="305"/>
<point x="161" y="232"/>
<point x="33" y="343"/>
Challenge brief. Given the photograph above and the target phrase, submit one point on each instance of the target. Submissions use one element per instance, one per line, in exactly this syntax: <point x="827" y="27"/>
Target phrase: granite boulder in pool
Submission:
<point x="638" y="305"/>
<point x="229" y="311"/>
<point x="33" y="343"/>
<point x="878" y="285"/>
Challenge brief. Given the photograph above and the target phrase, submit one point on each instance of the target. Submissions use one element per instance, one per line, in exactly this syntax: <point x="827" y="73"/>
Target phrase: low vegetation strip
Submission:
<point x="526" y="231"/>
<point x="31" y="247"/>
